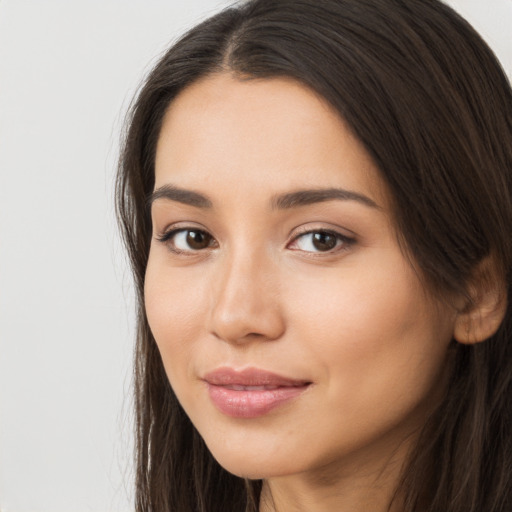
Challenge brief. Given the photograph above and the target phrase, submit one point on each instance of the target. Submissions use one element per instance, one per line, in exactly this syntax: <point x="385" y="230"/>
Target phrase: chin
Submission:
<point x="254" y="466"/>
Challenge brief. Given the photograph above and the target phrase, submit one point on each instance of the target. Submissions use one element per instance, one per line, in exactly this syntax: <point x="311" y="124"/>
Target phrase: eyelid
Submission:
<point x="166" y="236"/>
<point x="170" y="229"/>
<point x="347" y="240"/>
<point x="314" y="226"/>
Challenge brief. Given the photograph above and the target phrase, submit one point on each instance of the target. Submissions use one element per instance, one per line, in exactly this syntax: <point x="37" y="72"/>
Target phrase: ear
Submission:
<point x="484" y="311"/>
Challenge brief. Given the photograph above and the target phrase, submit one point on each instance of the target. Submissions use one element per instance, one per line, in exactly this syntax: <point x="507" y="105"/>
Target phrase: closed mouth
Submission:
<point x="250" y="379"/>
<point x="251" y="393"/>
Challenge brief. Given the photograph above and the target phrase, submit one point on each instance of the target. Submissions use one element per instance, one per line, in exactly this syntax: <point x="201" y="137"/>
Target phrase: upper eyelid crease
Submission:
<point x="332" y="232"/>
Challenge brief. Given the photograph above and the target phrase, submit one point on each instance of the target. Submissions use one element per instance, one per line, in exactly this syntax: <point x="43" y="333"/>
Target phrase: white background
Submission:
<point x="68" y="69"/>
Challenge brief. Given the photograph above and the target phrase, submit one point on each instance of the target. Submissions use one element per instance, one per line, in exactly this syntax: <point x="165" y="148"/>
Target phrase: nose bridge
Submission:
<point x="245" y="302"/>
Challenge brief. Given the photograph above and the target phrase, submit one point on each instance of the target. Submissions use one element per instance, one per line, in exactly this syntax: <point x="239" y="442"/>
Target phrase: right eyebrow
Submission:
<point x="181" y="195"/>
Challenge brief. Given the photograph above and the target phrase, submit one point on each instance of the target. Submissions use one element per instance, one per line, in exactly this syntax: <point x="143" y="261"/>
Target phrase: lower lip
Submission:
<point x="251" y="404"/>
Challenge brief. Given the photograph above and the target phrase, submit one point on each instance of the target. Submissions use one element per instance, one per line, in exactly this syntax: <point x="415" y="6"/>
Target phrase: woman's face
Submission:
<point x="292" y="328"/>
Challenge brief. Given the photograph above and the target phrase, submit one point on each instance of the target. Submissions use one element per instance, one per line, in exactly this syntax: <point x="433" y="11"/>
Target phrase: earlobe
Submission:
<point x="483" y="314"/>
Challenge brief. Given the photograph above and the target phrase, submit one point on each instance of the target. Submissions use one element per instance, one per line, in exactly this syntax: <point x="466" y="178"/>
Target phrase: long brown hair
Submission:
<point x="428" y="99"/>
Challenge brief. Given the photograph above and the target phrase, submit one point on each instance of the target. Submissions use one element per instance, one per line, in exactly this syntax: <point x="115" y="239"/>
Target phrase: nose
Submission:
<point x="246" y="305"/>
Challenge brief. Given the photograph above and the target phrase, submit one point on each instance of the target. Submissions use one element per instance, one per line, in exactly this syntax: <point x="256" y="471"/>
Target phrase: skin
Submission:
<point x="354" y="321"/>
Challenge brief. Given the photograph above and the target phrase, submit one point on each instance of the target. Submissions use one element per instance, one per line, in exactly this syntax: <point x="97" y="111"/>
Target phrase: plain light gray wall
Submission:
<point x="67" y="72"/>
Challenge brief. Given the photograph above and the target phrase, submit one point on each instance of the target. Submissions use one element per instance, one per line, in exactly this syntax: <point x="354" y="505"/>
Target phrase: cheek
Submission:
<point x="375" y="334"/>
<point x="175" y="308"/>
<point x="362" y="302"/>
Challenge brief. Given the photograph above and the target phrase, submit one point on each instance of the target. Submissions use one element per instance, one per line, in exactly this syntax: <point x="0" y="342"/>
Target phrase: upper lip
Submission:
<point x="226" y="376"/>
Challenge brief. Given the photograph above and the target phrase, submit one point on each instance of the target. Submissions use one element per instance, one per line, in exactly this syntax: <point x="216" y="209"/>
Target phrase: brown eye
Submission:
<point x="323" y="241"/>
<point x="197" y="240"/>
<point x="188" y="240"/>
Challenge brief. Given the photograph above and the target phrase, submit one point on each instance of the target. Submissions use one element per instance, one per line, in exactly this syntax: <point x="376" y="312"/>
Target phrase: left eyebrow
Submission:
<point x="306" y="197"/>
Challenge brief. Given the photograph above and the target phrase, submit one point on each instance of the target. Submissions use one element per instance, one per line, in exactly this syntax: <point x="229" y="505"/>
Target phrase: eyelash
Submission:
<point x="343" y="242"/>
<point x="168" y="237"/>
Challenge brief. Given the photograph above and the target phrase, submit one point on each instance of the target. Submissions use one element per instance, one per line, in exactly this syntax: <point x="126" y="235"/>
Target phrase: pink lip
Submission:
<point x="251" y="392"/>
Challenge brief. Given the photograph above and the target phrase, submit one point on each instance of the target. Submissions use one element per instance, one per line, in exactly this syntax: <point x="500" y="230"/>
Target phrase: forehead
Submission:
<point x="273" y="131"/>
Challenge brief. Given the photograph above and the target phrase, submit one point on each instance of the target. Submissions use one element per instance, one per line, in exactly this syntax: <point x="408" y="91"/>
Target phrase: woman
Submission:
<point x="315" y="196"/>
